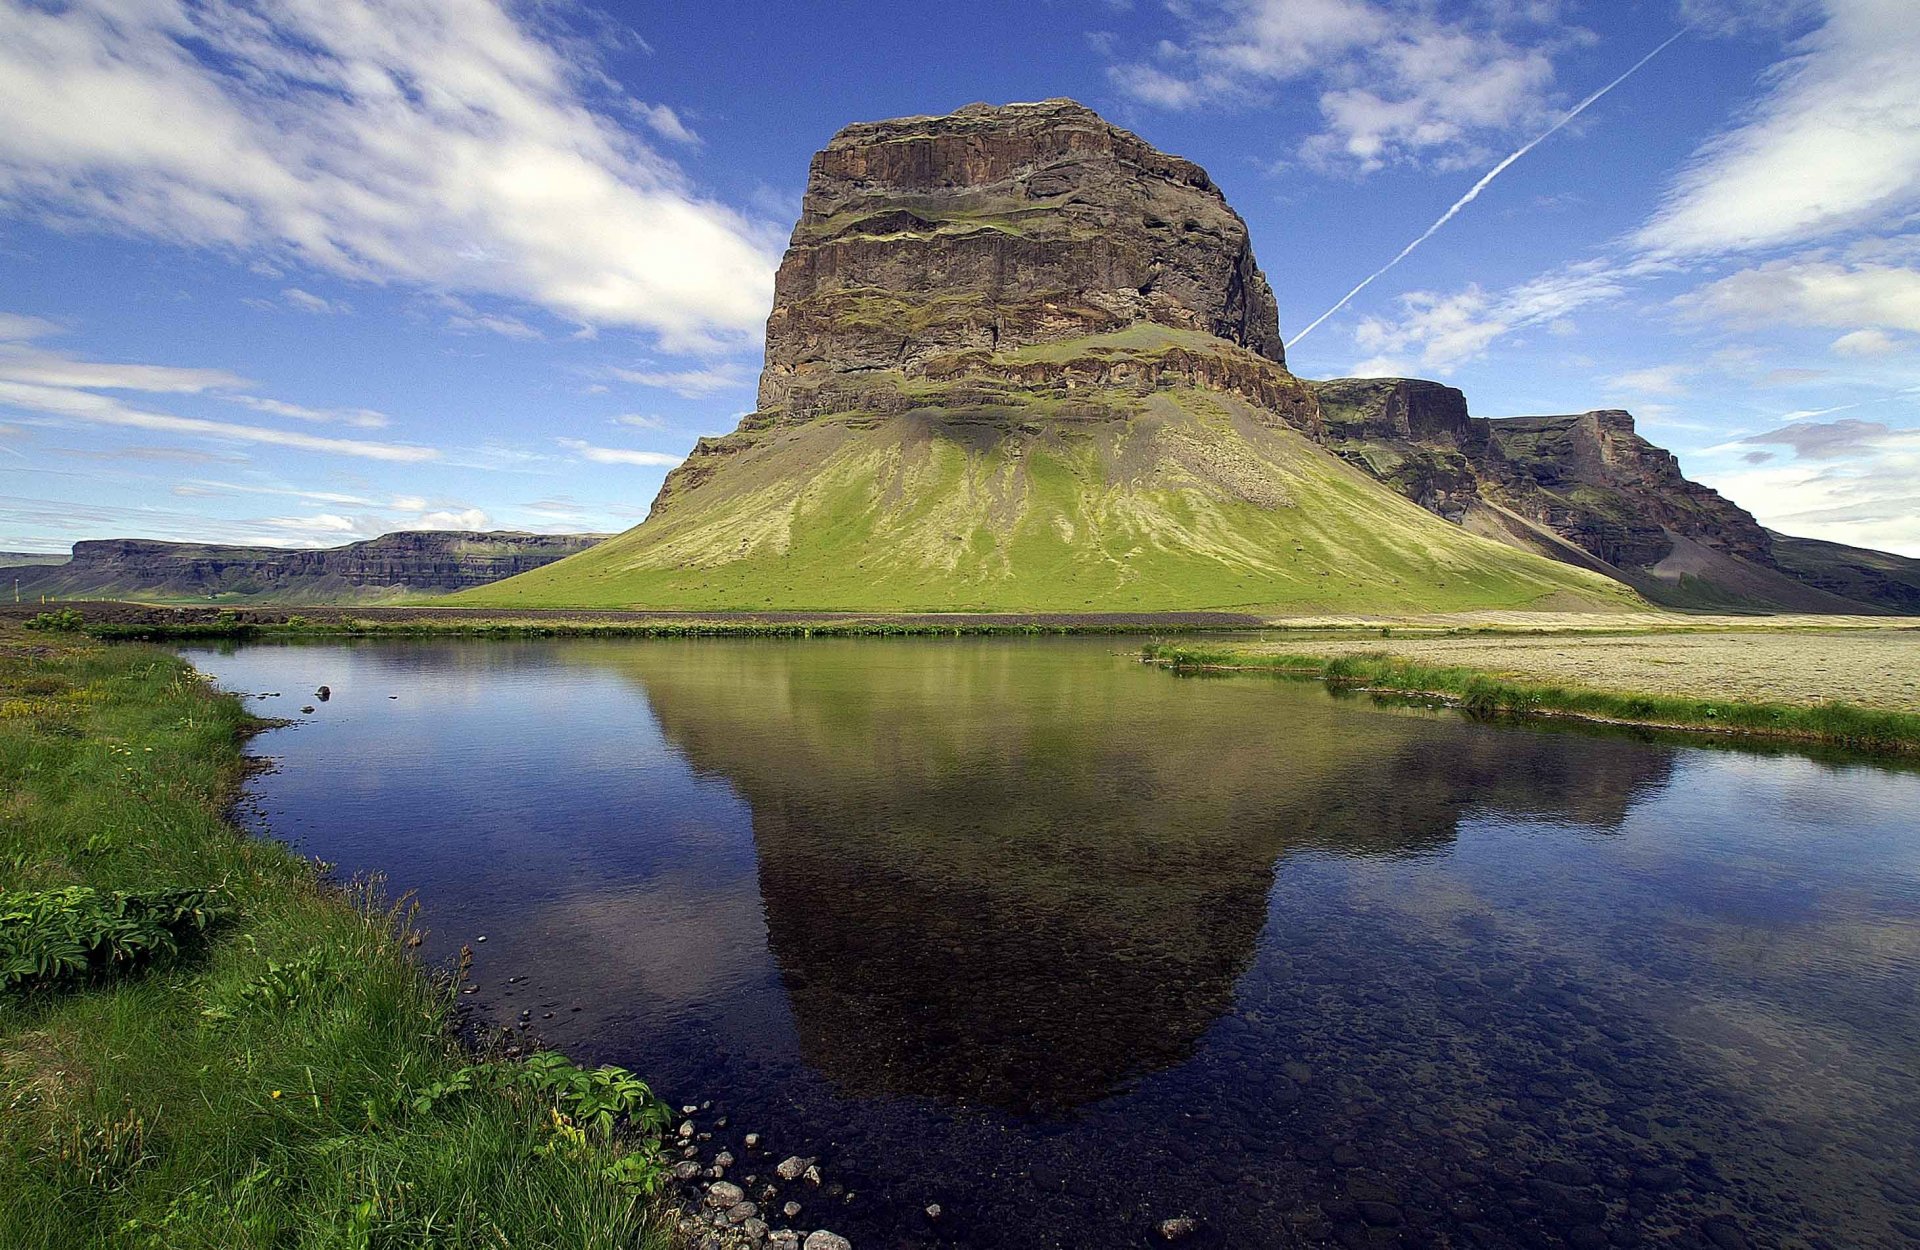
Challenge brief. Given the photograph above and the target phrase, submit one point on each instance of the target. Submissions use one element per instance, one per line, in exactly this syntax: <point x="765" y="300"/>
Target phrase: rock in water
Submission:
<point x="824" y="1240"/>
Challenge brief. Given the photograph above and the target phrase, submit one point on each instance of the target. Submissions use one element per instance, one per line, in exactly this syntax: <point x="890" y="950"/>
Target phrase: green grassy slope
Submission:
<point x="1181" y="499"/>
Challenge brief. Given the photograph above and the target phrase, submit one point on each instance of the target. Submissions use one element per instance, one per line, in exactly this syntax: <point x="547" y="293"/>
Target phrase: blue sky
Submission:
<point x="307" y="271"/>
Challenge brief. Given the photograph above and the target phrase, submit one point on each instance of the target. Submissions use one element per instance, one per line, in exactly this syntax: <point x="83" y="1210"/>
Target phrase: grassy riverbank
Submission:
<point x="263" y="1064"/>
<point x="1486" y="689"/>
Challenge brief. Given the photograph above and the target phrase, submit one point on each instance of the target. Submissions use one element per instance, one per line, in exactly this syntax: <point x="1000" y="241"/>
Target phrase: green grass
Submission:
<point x="1192" y="502"/>
<point x="1483" y="693"/>
<point x="285" y="1076"/>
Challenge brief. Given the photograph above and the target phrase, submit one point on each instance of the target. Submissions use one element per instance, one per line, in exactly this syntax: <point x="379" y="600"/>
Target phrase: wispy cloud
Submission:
<point x="1398" y="81"/>
<point x="441" y="143"/>
<point x="1834" y="144"/>
<point x="689" y="383"/>
<point x="365" y="418"/>
<point x="619" y="455"/>
<point x="52" y="384"/>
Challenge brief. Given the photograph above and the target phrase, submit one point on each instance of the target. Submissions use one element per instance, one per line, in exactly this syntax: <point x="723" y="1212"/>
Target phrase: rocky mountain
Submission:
<point x="1020" y="360"/>
<point x="1587" y="489"/>
<point x="1859" y="574"/>
<point x="411" y="562"/>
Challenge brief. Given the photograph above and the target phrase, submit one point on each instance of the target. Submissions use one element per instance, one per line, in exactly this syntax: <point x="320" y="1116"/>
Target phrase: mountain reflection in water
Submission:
<point x="1068" y="945"/>
<point x="986" y="883"/>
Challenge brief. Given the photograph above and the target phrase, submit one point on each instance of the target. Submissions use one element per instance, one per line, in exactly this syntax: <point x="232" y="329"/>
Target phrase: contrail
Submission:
<point x="1478" y="187"/>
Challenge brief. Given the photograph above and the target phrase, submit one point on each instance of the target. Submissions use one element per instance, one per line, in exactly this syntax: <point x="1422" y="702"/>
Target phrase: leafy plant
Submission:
<point x="51" y="936"/>
<point x="64" y="621"/>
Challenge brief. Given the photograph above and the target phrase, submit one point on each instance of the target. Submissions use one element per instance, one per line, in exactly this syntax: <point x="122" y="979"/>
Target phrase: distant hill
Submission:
<point x="406" y="563"/>
<point x="1857" y="573"/>
<point x="1020" y="360"/>
<point x="20" y="559"/>
<point x="1587" y="489"/>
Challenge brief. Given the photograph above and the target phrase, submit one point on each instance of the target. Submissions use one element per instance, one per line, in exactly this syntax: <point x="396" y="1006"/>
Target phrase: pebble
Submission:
<point x="725" y="1194"/>
<point x="1178" y="1227"/>
<point x="812" y="1174"/>
<point x="741" y="1212"/>
<point x="685" y="1170"/>
<point x="755" y="1228"/>
<point x="783" y="1239"/>
<point x="790" y="1210"/>
<point x="791" y="1168"/>
<point x="753" y="1141"/>
<point x="724" y="1159"/>
<point x="686" y="1129"/>
<point x="821" y="1239"/>
<point x="933" y="1210"/>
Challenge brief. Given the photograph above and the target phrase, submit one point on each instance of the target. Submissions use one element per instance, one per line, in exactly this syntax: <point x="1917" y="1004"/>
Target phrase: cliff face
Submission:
<point x="415" y="561"/>
<point x="1584" y="488"/>
<point x="995" y="229"/>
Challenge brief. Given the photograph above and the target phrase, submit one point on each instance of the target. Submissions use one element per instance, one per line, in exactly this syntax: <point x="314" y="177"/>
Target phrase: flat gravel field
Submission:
<point x="1870" y="667"/>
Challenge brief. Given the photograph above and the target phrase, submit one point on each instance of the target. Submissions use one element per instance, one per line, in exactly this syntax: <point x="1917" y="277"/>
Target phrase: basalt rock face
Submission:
<point x="995" y="229"/>
<point x="405" y="562"/>
<point x="1585" y="488"/>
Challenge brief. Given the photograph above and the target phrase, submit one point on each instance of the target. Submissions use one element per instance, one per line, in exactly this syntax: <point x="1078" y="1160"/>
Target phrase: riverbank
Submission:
<point x="160" y="622"/>
<point x="204" y="1042"/>
<point x="1858" y="689"/>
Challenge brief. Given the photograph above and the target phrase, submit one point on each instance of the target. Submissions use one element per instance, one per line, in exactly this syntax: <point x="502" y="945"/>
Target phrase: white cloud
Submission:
<point x="642" y="421"/>
<point x="1442" y="332"/>
<point x="1864" y="343"/>
<point x="666" y="123"/>
<point x="493" y="323"/>
<point x="1398" y="82"/>
<point x="1834" y="144"/>
<point x="460" y="519"/>
<point x="688" y="383"/>
<point x="307" y="301"/>
<point x="1657" y="380"/>
<point x="439" y="143"/>
<point x="1811" y="290"/>
<point x="1850" y="481"/>
<point x="37" y="380"/>
<point x="17" y="328"/>
<point x="619" y="455"/>
<point x="364" y="418"/>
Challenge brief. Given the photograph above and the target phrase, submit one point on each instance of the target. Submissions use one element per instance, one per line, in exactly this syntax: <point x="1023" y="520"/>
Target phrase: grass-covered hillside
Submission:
<point x="1100" y="498"/>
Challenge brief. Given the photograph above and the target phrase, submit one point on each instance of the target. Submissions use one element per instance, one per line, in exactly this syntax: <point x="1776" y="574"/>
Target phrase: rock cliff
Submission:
<point x="1585" y="488"/>
<point x="995" y="229"/>
<point x="405" y="562"/>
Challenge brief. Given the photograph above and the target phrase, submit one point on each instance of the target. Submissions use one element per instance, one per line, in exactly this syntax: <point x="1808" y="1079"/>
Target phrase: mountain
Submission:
<point x="409" y="562"/>
<point x="1587" y="489"/>
<point x="1020" y="360"/>
<point x="1857" y="573"/>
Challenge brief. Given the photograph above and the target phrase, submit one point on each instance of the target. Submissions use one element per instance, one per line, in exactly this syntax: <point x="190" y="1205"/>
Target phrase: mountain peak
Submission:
<point x="994" y="228"/>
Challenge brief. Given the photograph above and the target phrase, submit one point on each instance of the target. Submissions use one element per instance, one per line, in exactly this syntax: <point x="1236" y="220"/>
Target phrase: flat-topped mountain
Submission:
<point x="1020" y="360"/>
<point x="1587" y="489"/>
<point x="407" y="562"/>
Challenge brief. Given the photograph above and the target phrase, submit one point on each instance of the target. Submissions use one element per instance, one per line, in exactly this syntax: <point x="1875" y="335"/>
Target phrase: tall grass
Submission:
<point x="293" y="1079"/>
<point x="1483" y="693"/>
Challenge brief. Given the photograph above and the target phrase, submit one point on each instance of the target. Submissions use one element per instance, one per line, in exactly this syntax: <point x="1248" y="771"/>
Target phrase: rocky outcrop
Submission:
<point x="994" y="229"/>
<point x="405" y="562"/>
<point x="1582" y="487"/>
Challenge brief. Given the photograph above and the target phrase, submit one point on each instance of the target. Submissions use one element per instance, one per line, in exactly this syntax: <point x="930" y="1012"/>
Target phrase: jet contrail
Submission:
<point x="1481" y="185"/>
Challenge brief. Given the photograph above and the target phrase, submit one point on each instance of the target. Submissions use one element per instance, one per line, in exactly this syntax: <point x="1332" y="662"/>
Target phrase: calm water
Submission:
<point x="1070" y="946"/>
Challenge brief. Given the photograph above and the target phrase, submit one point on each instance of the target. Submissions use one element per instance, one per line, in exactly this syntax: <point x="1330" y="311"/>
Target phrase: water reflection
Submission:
<point x="986" y="882"/>
<point x="1070" y="946"/>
